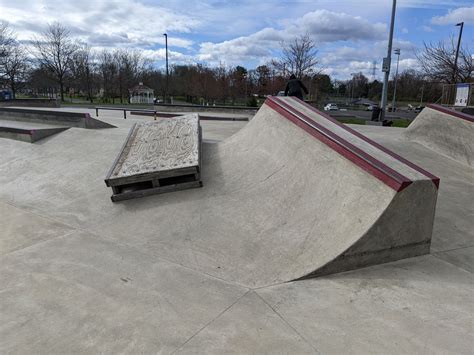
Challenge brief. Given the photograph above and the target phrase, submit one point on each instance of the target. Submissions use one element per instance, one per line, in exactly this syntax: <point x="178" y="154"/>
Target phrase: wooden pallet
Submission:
<point x="158" y="157"/>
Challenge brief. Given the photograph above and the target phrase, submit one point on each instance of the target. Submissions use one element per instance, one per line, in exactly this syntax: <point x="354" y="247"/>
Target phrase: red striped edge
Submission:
<point x="415" y="167"/>
<point x="451" y="112"/>
<point x="365" y="161"/>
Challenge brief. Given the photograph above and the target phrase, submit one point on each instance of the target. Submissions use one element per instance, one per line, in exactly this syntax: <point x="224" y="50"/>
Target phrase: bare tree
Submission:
<point x="108" y="71"/>
<point x="437" y="62"/>
<point x="15" y="67"/>
<point x="55" y="51"/>
<point x="130" y="67"/>
<point x="83" y="69"/>
<point x="7" y="38"/>
<point x="298" y="57"/>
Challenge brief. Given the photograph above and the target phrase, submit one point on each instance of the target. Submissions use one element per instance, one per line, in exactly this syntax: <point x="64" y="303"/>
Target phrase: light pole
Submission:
<point x="386" y="64"/>
<point x="461" y="24"/>
<point x="167" y="71"/>
<point x="352" y="87"/>
<point x="397" y="52"/>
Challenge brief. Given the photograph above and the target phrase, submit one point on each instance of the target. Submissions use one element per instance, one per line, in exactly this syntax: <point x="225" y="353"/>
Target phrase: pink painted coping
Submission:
<point x="367" y="162"/>
<point x="451" y="112"/>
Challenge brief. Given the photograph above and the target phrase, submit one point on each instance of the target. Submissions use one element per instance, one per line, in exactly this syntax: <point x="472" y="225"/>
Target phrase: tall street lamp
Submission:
<point x="167" y="70"/>
<point x="397" y="52"/>
<point x="386" y="64"/>
<point x="461" y="24"/>
<point x="352" y="87"/>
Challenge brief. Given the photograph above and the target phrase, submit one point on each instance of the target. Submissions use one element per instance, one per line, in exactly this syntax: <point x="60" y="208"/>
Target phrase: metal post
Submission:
<point x="386" y="64"/>
<point x="397" y="52"/>
<point x="96" y="112"/>
<point x="352" y="87"/>
<point x="124" y="114"/>
<point x="422" y="92"/>
<point x="167" y="70"/>
<point x="457" y="52"/>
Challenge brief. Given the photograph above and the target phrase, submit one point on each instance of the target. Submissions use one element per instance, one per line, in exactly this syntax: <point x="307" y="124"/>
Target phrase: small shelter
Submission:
<point x="141" y="94"/>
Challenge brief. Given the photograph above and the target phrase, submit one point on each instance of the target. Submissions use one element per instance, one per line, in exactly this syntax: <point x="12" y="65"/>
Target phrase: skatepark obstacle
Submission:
<point x="57" y="118"/>
<point x="445" y="131"/>
<point x="27" y="132"/>
<point x="158" y="157"/>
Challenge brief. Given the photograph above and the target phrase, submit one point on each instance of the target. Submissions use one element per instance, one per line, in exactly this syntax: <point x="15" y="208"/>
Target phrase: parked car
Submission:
<point x="281" y="93"/>
<point x="370" y="107"/>
<point x="331" y="107"/>
<point x="419" y="109"/>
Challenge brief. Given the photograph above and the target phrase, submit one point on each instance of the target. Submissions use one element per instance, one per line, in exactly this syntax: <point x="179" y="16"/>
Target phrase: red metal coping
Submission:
<point x="433" y="178"/>
<point x="451" y="112"/>
<point x="362" y="159"/>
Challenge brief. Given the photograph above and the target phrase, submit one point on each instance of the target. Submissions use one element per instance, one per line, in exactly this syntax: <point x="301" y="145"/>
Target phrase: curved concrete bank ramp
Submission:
<point x="291" y="195"/>
<point x="445" y="131"/>
<point x="321" y="197"/>
<point x="58" y="118"/>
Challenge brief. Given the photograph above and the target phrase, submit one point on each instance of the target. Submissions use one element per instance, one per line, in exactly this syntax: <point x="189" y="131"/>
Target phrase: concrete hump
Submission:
<point x="28" y="135"/>
<point x="311" y="196"/>
<point x="446" y="131"/>
<point x="58" y="118"/>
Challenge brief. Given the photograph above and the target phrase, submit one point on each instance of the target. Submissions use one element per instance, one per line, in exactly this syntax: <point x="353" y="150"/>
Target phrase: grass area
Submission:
<point x="401" y="123"/>
<point x="352" y="120"/>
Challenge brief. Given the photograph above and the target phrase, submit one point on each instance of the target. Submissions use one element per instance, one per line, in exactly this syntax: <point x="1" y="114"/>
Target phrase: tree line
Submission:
<point x="55" y="63"/>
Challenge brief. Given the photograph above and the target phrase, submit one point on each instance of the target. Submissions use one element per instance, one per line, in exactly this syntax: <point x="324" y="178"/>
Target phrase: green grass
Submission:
<point x="352" y="120"/>
<point x="402" y="123"/>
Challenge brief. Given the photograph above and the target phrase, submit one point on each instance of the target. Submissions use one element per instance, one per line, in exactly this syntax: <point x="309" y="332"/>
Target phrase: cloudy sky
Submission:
<point x="350" y="34"/>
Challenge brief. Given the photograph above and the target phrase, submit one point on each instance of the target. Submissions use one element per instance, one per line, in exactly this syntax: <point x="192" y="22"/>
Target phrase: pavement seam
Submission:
<point x="287" y="323"/>
<point x="38" y="243"/>
<point x="450" y="263"/>
<point x="210" y="322"/>
<point x="454" y="249"/>
<point x="113" y="241"/>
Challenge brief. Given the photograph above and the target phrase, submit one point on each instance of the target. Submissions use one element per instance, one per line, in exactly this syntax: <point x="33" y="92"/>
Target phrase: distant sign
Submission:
<point x="386" y="65"/>
<point x="462" y="95"/>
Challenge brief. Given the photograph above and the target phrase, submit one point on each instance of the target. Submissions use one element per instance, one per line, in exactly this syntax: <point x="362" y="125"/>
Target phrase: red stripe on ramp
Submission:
<point x="451" y="112"/>
<point x="368" y="163"/>
<point x="415" y="167"/>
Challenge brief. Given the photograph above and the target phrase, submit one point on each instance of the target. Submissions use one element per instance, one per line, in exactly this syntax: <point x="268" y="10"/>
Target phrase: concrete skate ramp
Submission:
<point x="445" y="131"/>
<point x="296" y="194"/>
<point x="27" y="131"/>
<point x="58" y="118"/>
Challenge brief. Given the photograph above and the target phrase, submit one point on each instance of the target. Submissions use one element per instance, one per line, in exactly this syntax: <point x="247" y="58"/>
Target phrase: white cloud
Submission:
<point x="327" y="26"/>
<point x="323" y="26"/>
<point x="462" y="14"/>
<point x="160" y="54"/>
<point x="102" y="23"/>
<point x="427" y="29"/>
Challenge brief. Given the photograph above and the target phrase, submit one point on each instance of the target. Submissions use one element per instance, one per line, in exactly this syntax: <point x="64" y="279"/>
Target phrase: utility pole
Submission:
<point x="386" y="64"/>
<point x="397" y="52"/>
<point x="461" y="24"/>
<point x="352" y="87"/>
<point x="167" y="70"/>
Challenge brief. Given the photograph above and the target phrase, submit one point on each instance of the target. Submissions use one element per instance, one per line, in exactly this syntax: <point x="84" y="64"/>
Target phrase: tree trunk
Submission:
<point x="61" y="88"/>
<point x="12" y="86"/>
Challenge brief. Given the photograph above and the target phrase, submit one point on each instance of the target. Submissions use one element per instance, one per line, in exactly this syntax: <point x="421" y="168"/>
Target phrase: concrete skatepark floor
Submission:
<point x="67" y="288"/>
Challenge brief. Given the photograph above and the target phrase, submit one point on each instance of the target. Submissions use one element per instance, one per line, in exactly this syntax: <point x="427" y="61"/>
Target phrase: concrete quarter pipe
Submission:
<point x="296" y="194"/>
<point x="445" y="131"/>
